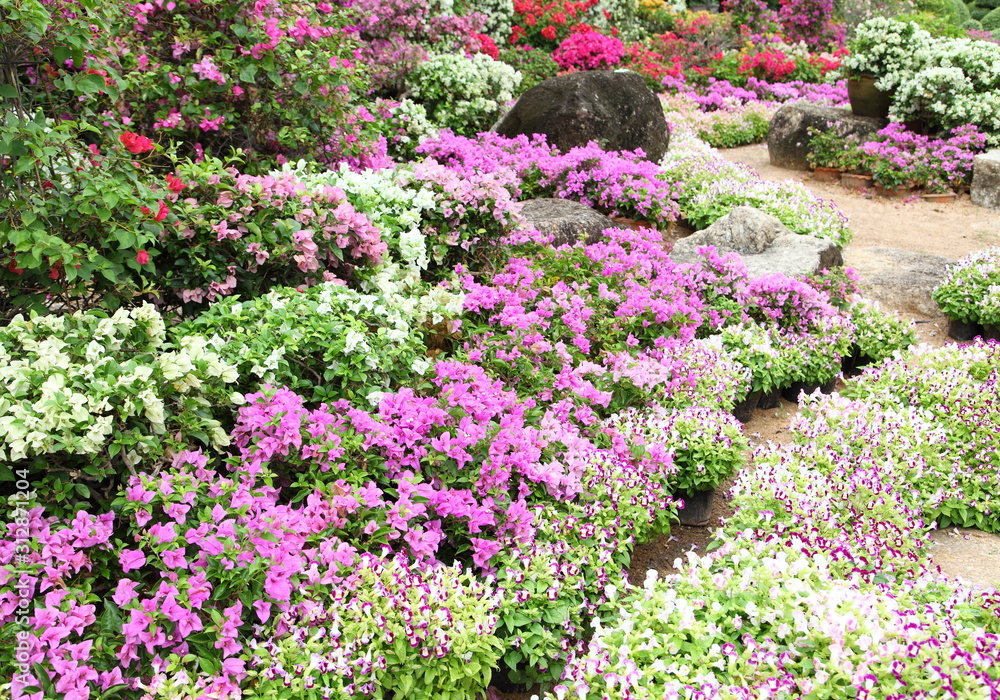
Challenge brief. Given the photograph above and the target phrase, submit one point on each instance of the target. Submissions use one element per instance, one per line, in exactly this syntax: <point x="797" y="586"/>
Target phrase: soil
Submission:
<point x="950" y="230"/>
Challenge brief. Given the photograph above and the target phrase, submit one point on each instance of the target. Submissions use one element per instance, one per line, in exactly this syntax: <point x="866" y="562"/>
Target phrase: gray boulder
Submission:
<point x="788" y="136"/>
<point x="985" y="190"/>
<point x="899" y="279"/>
<point x="614" y="109"/>
<point x="567" y="221"/>
<point x="765" y="244"/>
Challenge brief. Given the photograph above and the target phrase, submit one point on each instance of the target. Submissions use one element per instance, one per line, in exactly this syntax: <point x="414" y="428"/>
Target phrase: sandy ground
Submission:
<point x="950" y="230"/>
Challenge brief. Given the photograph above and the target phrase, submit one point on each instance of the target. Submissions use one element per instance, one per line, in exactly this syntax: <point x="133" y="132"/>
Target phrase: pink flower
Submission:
<point x="131" y="559"/>
<point x="142" y="257"/>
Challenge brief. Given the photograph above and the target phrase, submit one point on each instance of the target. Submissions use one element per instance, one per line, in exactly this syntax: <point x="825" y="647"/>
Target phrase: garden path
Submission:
<point x="914" y="226"/>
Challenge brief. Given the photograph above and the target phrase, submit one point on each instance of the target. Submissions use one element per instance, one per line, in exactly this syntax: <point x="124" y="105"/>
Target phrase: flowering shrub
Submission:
<point x="398" y="35"/>
<point x="428" y="214"/>
<point x="970" y="290"/>
<point x="465" y="94"/>
<point x="77" y="224"/>
<point x="242" y="234"/>
<point x="545" y="24"/>
<point x="617" y="183"/>
<point x="735" y="124"/>
<point x="588" y="51"/>
<point x="328" y="342"/>
<point x="898" y="156"/>
<point x="878" y="332"/>
<point x="200" y="87"/>
<point x="220" y="570"/>
<point x="883" y="47"/>
<point x="954" y="388"/>
<point x="812" y="22"/>
<point x="92" y="396"/>
<point x="713" y="187"/>
<point x="706" y="445"/>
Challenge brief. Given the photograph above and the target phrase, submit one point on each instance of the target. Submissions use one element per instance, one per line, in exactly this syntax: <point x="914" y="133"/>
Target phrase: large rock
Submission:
<point x="567" y="221"/>
<point x="614" y="109"/>
<point x="899" y="279"/>
<point x="765" y="244"/>
<point x="788" y="136"/>
<point x="985" y="190"/>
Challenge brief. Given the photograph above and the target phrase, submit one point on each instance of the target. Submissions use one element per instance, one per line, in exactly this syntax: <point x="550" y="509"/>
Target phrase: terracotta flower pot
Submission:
<point x="855" y="181"/>
<point x="823" y="174"/>
<point x="866" y="99"/>
<point x="896" y="192"/>
<point x="939" y="197"/>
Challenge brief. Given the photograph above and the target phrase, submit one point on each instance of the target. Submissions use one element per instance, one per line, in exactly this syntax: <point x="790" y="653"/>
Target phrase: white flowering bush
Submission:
<point x="328" y="342"/>
<point x="970" y="290"/>
<point x="499" y="18"/>
<point x="884" y="48"/>
<point x="879" y="332"/>
<point x="947" y="82"/>
<point x="706" y="444"/>
<point x="464" y="93"/>
<point x="87" y="397"/>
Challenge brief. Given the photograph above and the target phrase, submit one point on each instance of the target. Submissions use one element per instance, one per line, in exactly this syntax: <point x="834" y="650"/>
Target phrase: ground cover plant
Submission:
<point x="294" y="404"/>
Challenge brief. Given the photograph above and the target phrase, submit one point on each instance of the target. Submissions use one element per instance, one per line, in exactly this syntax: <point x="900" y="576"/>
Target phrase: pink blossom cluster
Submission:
<point x="589" y="50"/>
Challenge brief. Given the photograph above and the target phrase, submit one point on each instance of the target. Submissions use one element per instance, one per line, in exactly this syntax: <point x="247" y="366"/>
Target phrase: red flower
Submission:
<point x="136" y="143"/>
<point x="549" y="32"/>
<point x="174" y="184"/>
<point x="14" y="268"/>
<point x="146" y="210"/>
<point x="162" y="212"/>
<point x="54" y="273"/>
<point x="142" y="257"/>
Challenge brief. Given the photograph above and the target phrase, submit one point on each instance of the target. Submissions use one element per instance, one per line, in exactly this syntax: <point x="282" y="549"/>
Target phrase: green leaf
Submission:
<point x="8" y="92"/>
<point x="111" y="620"/>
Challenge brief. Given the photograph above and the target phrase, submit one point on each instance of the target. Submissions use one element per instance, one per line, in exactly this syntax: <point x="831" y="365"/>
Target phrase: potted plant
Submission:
<point x="880" y="52"/>
<point x="707" y="445"/>
<point x="969" y="295"/>
<point x="825" y="151"/>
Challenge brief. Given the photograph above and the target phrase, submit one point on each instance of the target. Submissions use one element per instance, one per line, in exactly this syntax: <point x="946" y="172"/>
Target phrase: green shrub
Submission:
<point x="327" y="342"/>
<point x="973" y="24"/>
<point x="979" y="12"/>
<point x="959" y="11"/>
<point x="991" y="22"/>
<point x="937" y="25"/>
<point x="77" y="226"/>
<point x="534" y="65"/>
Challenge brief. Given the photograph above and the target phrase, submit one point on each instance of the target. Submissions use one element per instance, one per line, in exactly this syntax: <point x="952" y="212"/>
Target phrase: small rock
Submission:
<point x="985" y="189"/>
<point x="765" y="244"/>
<point x="567" y="221"/>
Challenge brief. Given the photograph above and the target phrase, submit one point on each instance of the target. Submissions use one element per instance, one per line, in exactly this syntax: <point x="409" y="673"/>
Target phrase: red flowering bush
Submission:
<point x="770" y="65"/>
<point x="546" y="24"/>
<point x="589" y="51"/>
